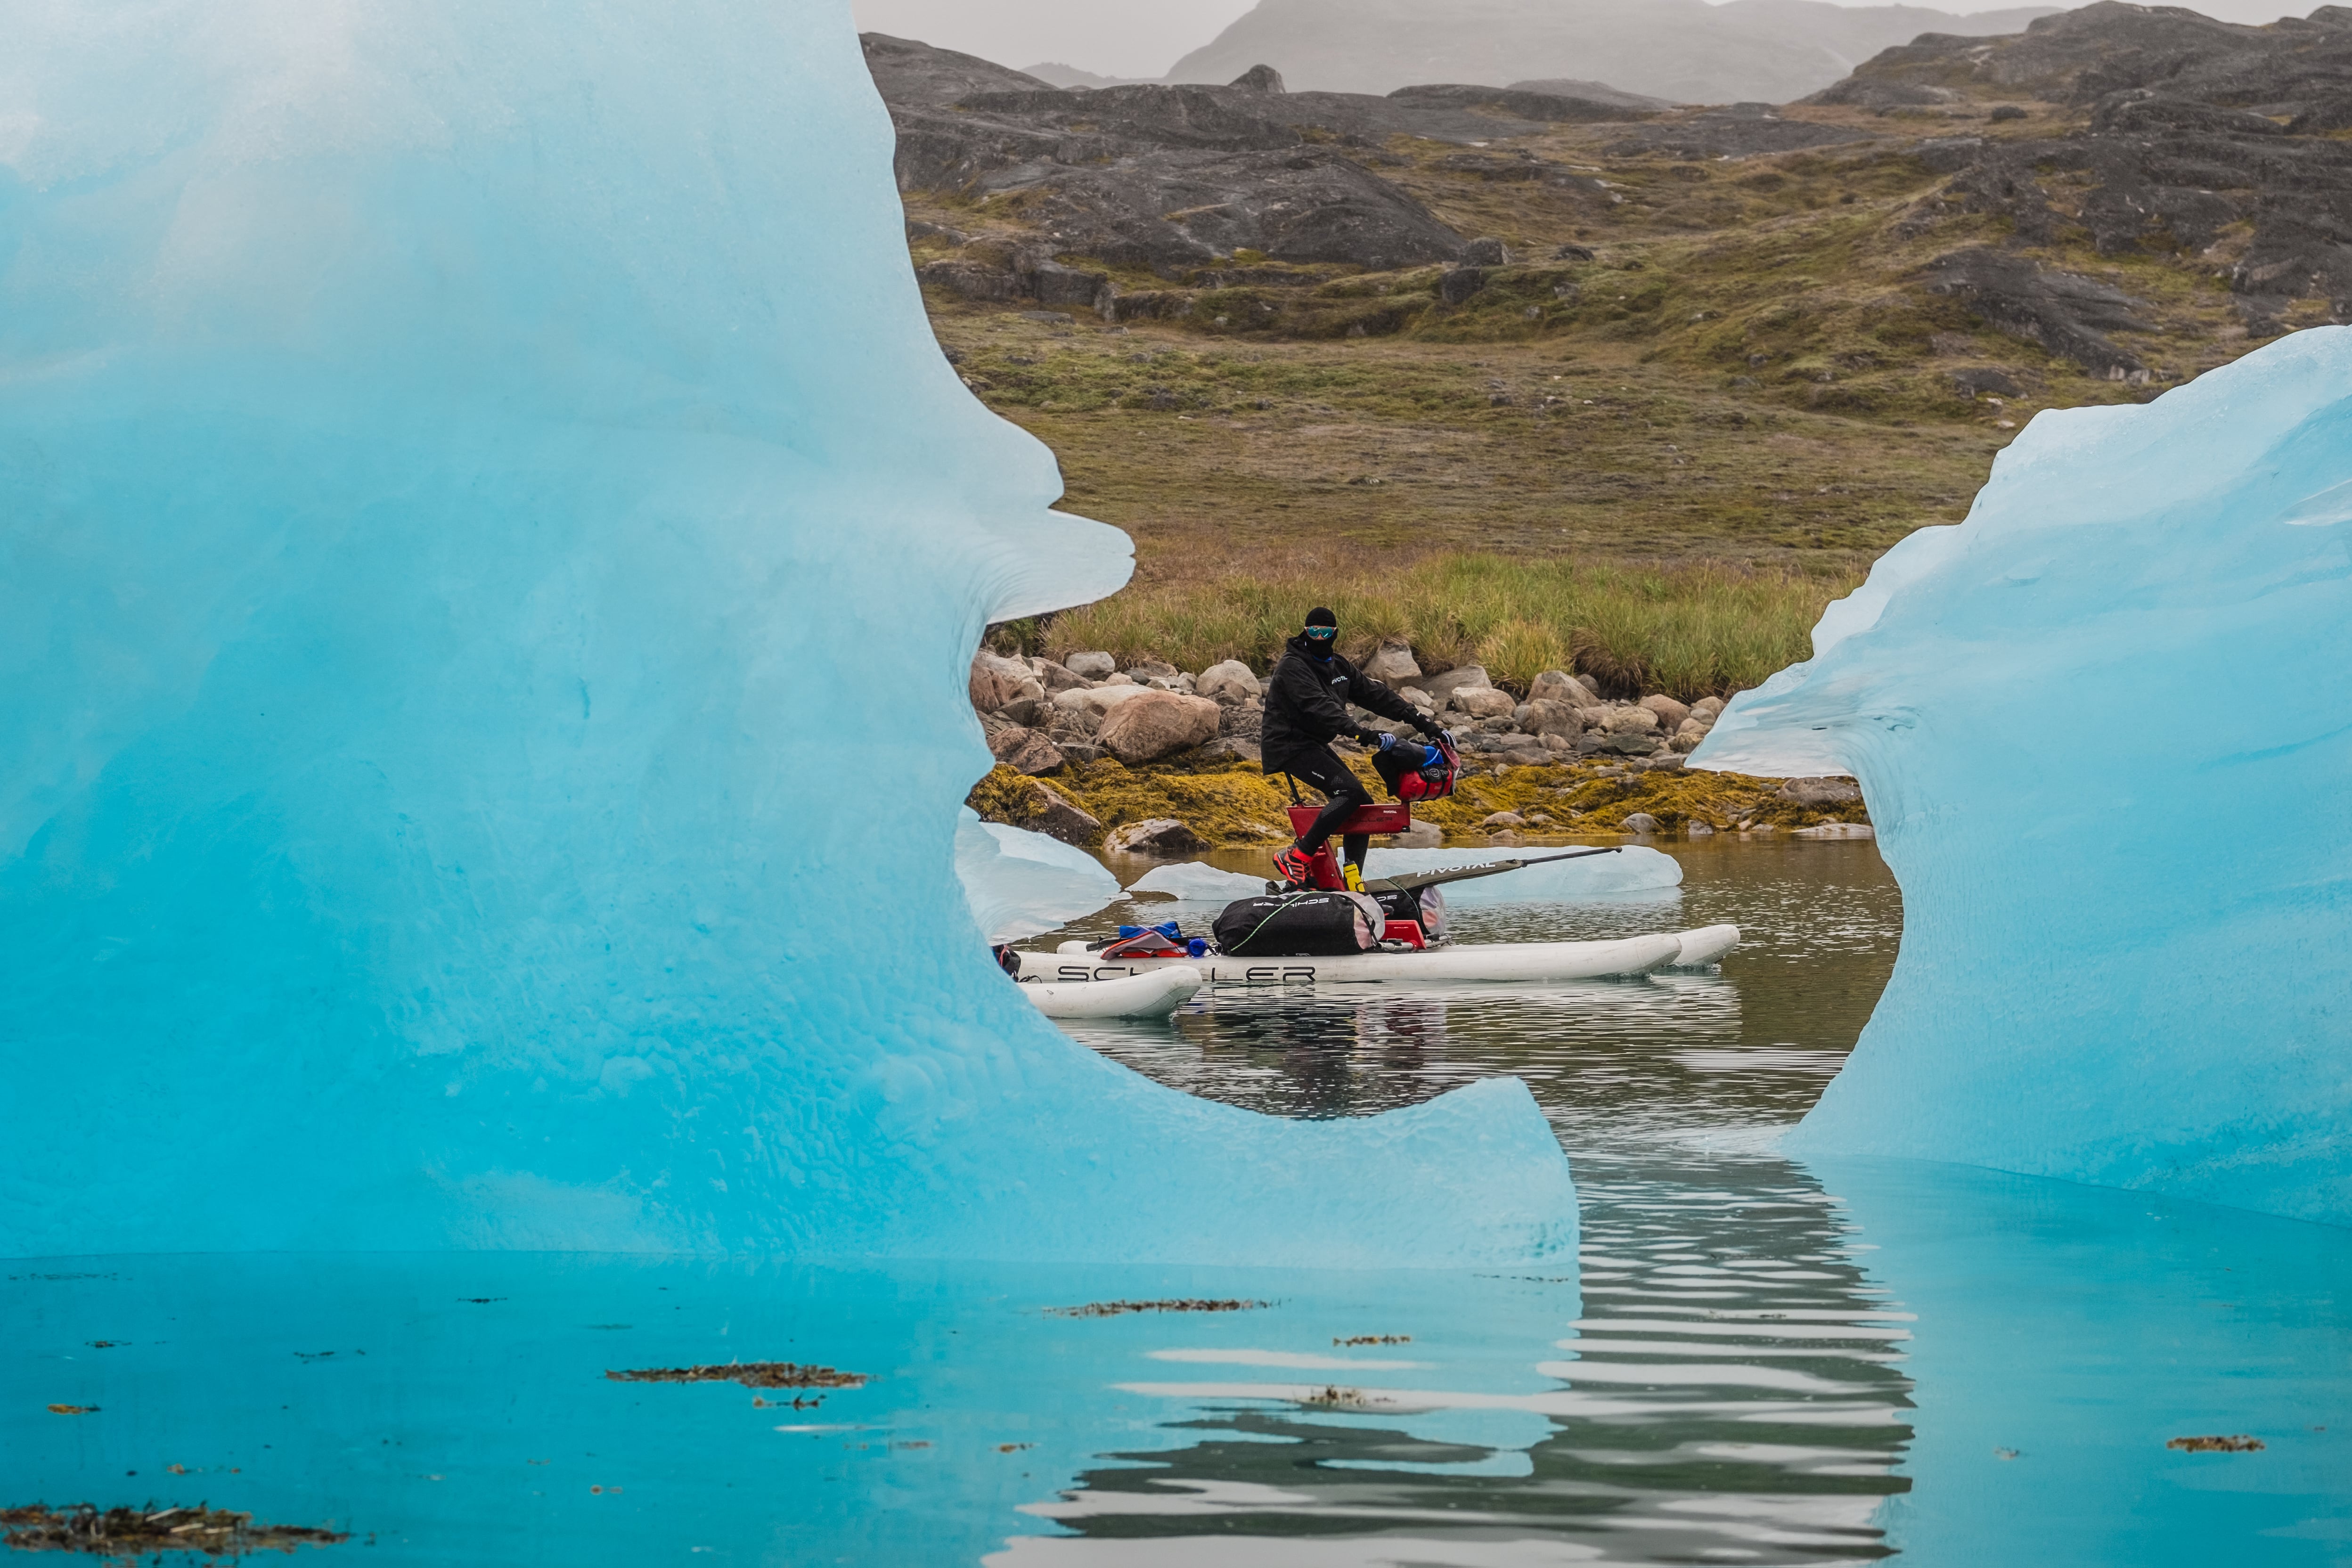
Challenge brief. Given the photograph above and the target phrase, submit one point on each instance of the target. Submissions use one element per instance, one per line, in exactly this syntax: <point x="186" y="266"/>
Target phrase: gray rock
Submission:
<point x="1640" y="822"/>
<point x="1706" y="709"/>
<point x="1457" y="286"/>
<point x="1633" y="720"/>
<point x="1232" y="749"/>
<point x="1670" y="712"/>
<point x="1259" y="79"/>
<point x="1699" y="830"/>
<point x="996" y="681"/>
<point x="1417" y="697"/>
<point x="1559" y="686"/>
<point x="1419" y="836"/>
<point x="1820" y="793"/>
<point x="1735" y="130"/>
<point x="1152" y="724"/>
<point x="2068" y="315"/>
<point x="1441" y="687"/>
<point x="1485" y="253"/>
<point x="1545" y="716"/>
<point x="1035" y="754"/>
<point x="1483" y="701"/>
<point x="1242" y="720"/>
<point x="1091" y="665"/>
<point x="1025" y="710"/>
<point x="1502" y="819"/>
<point x="1052" y="815"/>
<point x="1161" y="835"/>
<point x="1393" y="664"/>
<point x="1230" y="681"/>
<point x="1057" y="679"/>
<point x="1078" y="750"/>
<point x="1145" y="670"/>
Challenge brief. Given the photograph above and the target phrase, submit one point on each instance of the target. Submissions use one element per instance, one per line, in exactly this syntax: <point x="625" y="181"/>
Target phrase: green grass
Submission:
<point x="1690" y="630"/>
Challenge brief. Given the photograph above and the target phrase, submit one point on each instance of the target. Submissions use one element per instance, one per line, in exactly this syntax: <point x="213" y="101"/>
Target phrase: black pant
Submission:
<point x="1323" y="769"/>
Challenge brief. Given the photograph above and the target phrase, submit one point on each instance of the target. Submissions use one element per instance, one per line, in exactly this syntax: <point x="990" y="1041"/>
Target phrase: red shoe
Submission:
<point x="1294" y="867"/>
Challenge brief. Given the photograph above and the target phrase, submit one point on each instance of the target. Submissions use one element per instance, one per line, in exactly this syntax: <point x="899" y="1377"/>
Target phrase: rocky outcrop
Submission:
<point x="2197" y="130"/>
<point x="1739" y="130"/>
<point x="1177" y="177"/>
<point x="2068" y="315"/>
<point x="1156" y="836"/>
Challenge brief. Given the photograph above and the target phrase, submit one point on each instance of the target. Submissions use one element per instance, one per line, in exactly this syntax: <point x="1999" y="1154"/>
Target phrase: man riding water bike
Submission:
<point x="1307" y="702"/>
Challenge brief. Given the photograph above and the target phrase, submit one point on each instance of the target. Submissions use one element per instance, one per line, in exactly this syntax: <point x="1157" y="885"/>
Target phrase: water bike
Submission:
<point x="1392" y="931"/>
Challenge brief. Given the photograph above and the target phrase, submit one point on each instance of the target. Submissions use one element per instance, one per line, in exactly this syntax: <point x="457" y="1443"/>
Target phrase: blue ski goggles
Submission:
<point x="1321" y="633"/>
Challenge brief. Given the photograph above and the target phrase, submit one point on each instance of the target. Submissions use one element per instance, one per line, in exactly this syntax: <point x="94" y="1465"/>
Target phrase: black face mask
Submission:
<point x="1321" y="648"/>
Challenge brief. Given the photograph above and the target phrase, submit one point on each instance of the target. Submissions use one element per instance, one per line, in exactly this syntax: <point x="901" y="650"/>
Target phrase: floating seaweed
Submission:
<point x="1373" y="1340"/>
<point x="1113" y="1309"/>
<point x="2239" y="1444"/>
<point x="130" y="1532"/>
<point x="749" y="1374"/>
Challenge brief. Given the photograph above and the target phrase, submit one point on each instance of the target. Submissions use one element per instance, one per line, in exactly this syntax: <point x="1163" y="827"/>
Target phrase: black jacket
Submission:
<point x="1306" y="704"/>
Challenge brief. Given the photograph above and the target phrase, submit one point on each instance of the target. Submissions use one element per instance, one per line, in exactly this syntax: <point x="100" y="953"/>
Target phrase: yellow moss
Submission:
<point x="1232" y="805"/>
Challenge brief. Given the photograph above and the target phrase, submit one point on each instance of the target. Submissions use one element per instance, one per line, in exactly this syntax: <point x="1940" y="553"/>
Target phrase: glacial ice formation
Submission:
<point x="1019" y="883"/>
<point x="2103" y="729"/>
<point x="1636" y="869"/>
<point x="1198" y="882"/>
<point x="465" y="472"/>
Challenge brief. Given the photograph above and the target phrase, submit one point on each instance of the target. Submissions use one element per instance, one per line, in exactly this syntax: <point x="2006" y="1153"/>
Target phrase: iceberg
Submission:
<point x="2127" y="891"/>
<point x="1019" y="883"/>
<point x="465" y="472"/>
<point x="1636" y="869"/>
<point x="1198" y="882"/>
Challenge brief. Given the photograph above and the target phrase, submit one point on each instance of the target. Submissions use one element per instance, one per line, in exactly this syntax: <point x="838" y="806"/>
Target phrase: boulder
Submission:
<point x="1504" y="836"/>
<point x="1259" y="79"/>
<point x="1026" y="710"/>
<point x="1527" y="752"/>
<point x="1699" y="830"/>
<point x="1091" y="665"/>
<point x="1631" y="721"/>
<point x="1416" y="696"/>
<point x="1687" y="737"/>
<point x="1242" y="720"/>
<point x="1230" y="681"/>
<point x="1078" y="750"/>
<point x="1051" y="814"/>
<point x="1556" y="744"/>
<point x="1099" y="700"/>
<point x="1419" y="836"/>
<point x="1640" y="822"/>
<point x="1457" y="286"/>
<point x="1232" y="749"/>
<point x="1706" y="709"/>
<point x="1057" y="679"/>
<point x="1820" y="793"/>
<point x="1150" y="724"/>
<point x="1485" y="253"/>
<point x="1503" y="819"/>
<point x="1441" y="687"/>
<point x="1034" y="753"/>
<point x="1666" y="762"/>
<point x="996" y="680"/>
<point x="1559" y="686"/>
<point x="1670" y="712"/>
<point x="1148" y="669"/>
<point x="1393" y="664"/>
<point x="1159" y="835"/>
<point x="1484" y="701"/>
<point x="1545" y="716"/>
<point x="1120" y="678"/>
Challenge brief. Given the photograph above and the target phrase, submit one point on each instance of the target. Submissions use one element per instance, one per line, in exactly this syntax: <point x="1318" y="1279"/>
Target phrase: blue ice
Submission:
<point x="465" y="474"/>
<point x="2104" y="731"/>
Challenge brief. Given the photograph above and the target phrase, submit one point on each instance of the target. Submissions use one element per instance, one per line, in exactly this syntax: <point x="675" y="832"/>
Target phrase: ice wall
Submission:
<point x="490" y="552"/>
<point x="2104" y="730"/>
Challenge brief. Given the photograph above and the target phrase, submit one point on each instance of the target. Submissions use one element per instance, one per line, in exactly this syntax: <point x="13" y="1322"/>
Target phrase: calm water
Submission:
<point x="1756" y="1362"/>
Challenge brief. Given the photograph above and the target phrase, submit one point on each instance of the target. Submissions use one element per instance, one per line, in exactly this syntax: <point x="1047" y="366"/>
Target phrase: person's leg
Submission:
<point x="1354" y="847"/>
<point x="1346" y="791"/>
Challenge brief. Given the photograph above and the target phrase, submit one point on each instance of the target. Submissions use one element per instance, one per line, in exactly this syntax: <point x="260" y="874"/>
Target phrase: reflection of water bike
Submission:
<point x="1393" y="930"/>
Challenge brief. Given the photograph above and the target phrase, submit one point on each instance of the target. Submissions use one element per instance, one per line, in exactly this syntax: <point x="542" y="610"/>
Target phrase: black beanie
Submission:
<point x="1319" y="616"/>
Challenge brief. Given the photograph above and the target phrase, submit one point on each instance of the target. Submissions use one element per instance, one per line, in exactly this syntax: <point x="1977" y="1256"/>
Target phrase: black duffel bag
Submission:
<point x="1314" y="924"/>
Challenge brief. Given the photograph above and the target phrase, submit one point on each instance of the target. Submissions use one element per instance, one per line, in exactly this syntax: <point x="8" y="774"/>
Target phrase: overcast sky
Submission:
<point x="1115" y="37"/>
<point x="1132" y="38"/>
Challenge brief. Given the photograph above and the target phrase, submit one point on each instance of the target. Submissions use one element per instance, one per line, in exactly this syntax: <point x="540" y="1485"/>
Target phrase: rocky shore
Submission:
<point x="1155" y="759"/>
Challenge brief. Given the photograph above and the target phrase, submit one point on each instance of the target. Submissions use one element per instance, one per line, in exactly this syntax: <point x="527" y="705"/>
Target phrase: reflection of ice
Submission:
<point x="1195" y="881"/>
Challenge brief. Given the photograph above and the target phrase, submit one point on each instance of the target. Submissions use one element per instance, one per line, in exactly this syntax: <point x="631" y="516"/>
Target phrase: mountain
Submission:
<point x="1062" y="75"/>
<point x="1686" y="51"/>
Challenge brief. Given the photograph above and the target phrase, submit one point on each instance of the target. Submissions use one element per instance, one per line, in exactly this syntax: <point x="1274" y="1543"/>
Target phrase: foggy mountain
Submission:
<point x="1684" y="50"/>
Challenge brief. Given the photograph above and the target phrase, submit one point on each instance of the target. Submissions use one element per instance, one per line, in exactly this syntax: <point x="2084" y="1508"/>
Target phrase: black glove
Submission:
<point x="1427" y="724"/>
<point x="1372" y="738"/>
